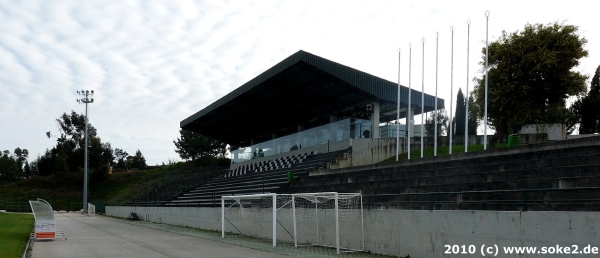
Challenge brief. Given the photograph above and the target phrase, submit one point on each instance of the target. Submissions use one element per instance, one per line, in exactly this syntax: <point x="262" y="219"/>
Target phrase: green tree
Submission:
<point x="573" y="117"/>
<point x="459" y="116"/>
<point x="588" y="107"/>
<point x="121" y="158"/>
<point x="20" y="156"/>
<point x="531" y="76"/>
<point x="443" y="125"/>
<point x="45" y="164"/>
<point x="27" y="170"/>
<point x="68" y="154"/>
<point x="473" y="111"/>
<point x="9" y="168"/>
<point x="138" y="161"/>
<point x="192" y="146"/>
<point x="15" y="166"/>
<point x="61" y="166"/>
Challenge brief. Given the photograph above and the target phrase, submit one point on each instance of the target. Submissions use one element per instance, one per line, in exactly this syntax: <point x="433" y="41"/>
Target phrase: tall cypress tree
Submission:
<point x="473" y="123"/>
<point x="590" y="117"/>
<point x="459" y="115"/>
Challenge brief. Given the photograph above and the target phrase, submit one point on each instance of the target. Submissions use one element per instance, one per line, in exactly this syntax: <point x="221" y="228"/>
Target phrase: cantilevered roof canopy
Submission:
<point x="303" y="90"/>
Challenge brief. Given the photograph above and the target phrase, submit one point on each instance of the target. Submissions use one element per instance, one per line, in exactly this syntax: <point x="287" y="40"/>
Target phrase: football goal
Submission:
<point x="325" y="219"/>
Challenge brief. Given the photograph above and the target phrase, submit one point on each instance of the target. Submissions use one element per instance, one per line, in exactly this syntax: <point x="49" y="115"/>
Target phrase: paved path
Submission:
<point x="99" y="236"/>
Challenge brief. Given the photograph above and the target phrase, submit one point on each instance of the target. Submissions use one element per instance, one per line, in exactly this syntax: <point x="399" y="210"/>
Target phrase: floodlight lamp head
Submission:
<point x="92" y="101"/>
<point x="77" y="92"/>
<point x="92" y="91"/>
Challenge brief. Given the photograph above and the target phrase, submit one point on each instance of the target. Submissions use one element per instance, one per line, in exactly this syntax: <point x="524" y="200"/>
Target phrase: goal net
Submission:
<point x="326" y="219"/>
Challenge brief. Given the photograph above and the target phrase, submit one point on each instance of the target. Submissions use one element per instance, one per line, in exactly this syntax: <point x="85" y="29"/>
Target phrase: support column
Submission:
<point x="375" y="120"/>
<point x="332" y="128"/>
<point x="274" y="144"/>
<point x="299" y="136"/>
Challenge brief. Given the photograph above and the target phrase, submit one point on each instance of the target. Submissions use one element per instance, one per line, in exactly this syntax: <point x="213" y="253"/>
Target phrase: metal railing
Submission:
<point x="23" y="206"/>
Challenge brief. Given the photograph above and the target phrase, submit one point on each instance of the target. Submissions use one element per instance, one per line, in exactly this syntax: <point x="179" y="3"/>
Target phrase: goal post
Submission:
<point x="329" y="219"/>
<point x="236" y="200"/>
<point x="325" y="219"/>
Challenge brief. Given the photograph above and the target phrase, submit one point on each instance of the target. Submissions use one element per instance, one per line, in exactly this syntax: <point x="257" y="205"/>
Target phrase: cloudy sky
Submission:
<point x="153" y="63"/>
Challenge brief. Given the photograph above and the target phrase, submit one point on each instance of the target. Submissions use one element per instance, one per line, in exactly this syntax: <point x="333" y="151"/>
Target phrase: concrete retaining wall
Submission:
<point x="556" y="132"/>
<point x="205" y="218"/>
<point x="425" y="233"/>
<point x="372" y="150"/>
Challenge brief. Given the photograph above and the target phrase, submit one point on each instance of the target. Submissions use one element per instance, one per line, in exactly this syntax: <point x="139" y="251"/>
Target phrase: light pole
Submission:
<point x="86" y="97"/>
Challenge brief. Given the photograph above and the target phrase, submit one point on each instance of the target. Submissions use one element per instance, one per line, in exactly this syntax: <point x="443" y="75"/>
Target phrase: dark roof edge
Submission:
<point x="335" y="69"/>
<point x="289" y="61"/>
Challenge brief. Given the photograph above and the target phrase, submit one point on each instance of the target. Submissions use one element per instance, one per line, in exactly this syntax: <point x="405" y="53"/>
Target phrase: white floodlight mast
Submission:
<point x="86" y="98"/>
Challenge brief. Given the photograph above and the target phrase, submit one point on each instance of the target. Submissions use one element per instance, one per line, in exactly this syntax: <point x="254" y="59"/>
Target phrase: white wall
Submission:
<point x="205" y="218"/>
<point x="555" y="132"/>
<point x="424" y="233"/>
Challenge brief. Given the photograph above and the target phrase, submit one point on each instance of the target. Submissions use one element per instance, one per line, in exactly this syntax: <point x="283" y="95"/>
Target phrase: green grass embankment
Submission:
<point x="66" y="192"/>
<point x="15" y="229"/>
<point x="442" y="150"/>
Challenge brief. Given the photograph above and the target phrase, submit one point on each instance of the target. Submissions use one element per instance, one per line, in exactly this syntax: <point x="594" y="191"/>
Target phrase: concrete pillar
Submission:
<point x="274" y="144"/>
<point x="299" y="136"/>
<point x="375" y="120"/>
<point x="332" y="128"/>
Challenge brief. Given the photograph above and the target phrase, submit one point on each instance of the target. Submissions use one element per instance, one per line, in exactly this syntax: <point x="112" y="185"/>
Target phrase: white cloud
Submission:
<point x="154" y="63"/>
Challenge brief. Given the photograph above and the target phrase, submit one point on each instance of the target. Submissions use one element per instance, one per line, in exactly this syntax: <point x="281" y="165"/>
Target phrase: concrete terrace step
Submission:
<point x="546" y="196"/>
<point x="431" y="177"/>
<point x="257" y="177"/>
<point x="474" y="158"/>
<point x="270" y="185"/>
<point x="414" y="172"/>
<point x="249" y="183"/>
<point x="395" y="187"/>
<point x="307" y="164"/>
<point x="311" y="162"/>
<point x="229" y="192"/>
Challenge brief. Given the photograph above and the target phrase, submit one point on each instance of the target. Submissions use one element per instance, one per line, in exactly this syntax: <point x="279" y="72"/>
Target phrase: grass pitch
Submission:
<point x="15" y="229"/>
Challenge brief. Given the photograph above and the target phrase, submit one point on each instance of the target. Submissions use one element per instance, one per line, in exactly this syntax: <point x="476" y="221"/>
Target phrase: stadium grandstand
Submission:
<point x="305" y="100"/>
<point x="311" y="121"/>
<point x="302" y="113"/>
<point x="309" y="128"/>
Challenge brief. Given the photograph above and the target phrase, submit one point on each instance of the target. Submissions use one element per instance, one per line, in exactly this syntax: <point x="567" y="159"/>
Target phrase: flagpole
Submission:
<point x="422" y="95"/>
<point x="435" y="112"/>
<point x="485" y="122"/>
<point x="451" y="131"/>
<point x="398" y="108"/>
<point x="409" y="110"/>
<point x="467" y="92"/>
